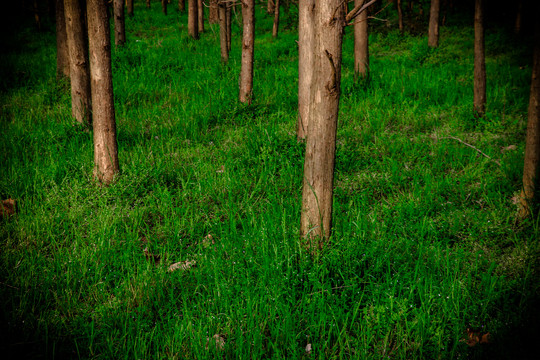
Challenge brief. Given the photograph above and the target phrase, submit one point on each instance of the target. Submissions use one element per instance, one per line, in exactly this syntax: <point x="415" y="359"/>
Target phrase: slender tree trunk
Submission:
<point x="119" y="23"/>
<point x="200" y="10"/>
<point x="531" y="169"/>
<point x="229" y="30"/>
<point x="182" y="5"/>
<point x="316" y="217"/>
<point x="270" y="7"/>
<point x="433" y="33"/>
<point x="78" y="60"/>
<point x="275" y="28"/>
<point x="479" y="60"/>
<point x="193" y="22"/>
<point x="130" y="7"/>
<point x="306" y="28"/>
<point x="517" y="24"/>
<point x="62" y="53"/>
<point x="105" y="146"/>
<point x="361" y="46"/>
<point x="400" y="15"/>
<point x="164" y="6"/>
<point x="37" y="18"/>
<point x="213" y="16"/>
<point x="223" y="32"/>
<point x="148" y="4"/>
<point x="248" y="42"/>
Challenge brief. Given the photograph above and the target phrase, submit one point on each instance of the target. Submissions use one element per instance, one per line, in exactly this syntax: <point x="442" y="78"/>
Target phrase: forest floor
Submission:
<point x="427" y="259"/>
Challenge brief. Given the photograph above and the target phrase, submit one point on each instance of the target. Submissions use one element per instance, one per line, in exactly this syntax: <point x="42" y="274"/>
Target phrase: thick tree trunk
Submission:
<point x="531" y="169"/>
<point x="248" y="42"/>
<point x="78" y="60"/>
<point x="213" y="16"/>
<point x="316" y="217"/>
<point x="275" y="28"/>
<point x="306" y="28"/>
<point x="164" y="6"/>
<point x="361" y="46"/>
<point x="223" y="32"/>
<point x="119" y="23"/>
<point x="193" y="22"/>
<point x="433" y="33"/>
<point x="200" y="16"/>
<point x="400" y="15"/>
<point x="130" y="7"/>
<point x="182" y="5"/>
<point x="62" y="53"/>
<point x="479" y="60"/>
<point x="105" y="146"/>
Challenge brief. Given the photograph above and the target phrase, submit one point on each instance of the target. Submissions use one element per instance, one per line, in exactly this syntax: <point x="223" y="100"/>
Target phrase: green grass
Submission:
<point x="425" y="241"/>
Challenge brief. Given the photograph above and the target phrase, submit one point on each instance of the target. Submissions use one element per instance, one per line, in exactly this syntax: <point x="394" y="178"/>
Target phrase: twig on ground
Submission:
<point x="472" y="147"/>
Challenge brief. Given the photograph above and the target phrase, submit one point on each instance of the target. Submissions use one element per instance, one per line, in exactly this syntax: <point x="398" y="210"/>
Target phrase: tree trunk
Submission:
<point x="200" y="16"/>
<point x="148" y="4"/>
<point x="400" y="15"/>
<point x="37" y="18"/>
<point x="275" y="28"/>
<point x="119" y="23"/>
<point x="213" y="16"/>
<point x="164" y="6"/>
<point x="433" y="33"/>
<point x="182" y="5"/>
<point x="105" y="146"/>
<point x="193" y="22"/>
<point x="306" y="28"/>
<point x="62" y="53"/>
<point x="223" y="32"/>
<point x="78" y="60"/>
<point x="130" y="7"/>
<point x="316" y="217"/>
<point x="479" y="60"/>
<point x="248" y="42"/>
<point x="361" y="48"/>
<point x="229" y="30"/>
<point x="531" y="170"/>
<point x="517" y="24"/>
<point x="270" y="7"/>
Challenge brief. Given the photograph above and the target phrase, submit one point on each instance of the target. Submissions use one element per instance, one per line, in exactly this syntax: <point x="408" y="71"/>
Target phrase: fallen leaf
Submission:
<point x="474" y="337"/>
<point x="308" y="349"/>
<point x="221" y="169"/>
<point x="7" y="208"/>
<point x="183" y="265"/>
<point x="208" y="241"/>
<point x="218" y="340"/>
<point x="515" y="199"/>
<point x="508" y="148"/>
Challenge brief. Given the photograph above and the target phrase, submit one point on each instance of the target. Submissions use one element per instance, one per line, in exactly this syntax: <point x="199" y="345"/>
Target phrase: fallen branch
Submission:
<point x="473" y="147"/>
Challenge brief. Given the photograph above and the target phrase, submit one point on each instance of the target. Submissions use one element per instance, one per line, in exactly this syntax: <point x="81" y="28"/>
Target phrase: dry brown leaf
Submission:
<point x="474" y="337"/>
<point x="515" y="199"/>
<point x="208" y="241"/>
<point x="183" y="265"/>
<point x="508" y="148"/>
<point x="218" y="340"/>
<point x="308" y="349"/>
<point x="7" y="208"/>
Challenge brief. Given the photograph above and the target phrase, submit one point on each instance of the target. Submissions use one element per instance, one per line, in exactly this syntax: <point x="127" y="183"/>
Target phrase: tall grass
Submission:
<point x="425" y="241"/>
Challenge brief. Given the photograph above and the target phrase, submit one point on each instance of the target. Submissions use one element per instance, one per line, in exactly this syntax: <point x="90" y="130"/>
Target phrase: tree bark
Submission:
<point x="316" y="217"/>
<point x="119" y="23"/>
<point x="78" y="60"/>
<point x="62" y="53"/>
<point x="479" y="60"/>
<point x="130" y="7"/>
<point x="164" y="6"/>
<point x="248" y="42"/>
<point x="229" y="30"/>
<point x="400" y="15"/>
<point x="222" y="7"/>
<point x="213" y="16"/>
<point x="361" y="43"/>
<point x="193" y="22"/>
<point x="433" y="33"/>
<point x="275" y="27"/>
<point x="531" y="169"/>
<point x="200" y="16"/>
<point x="105" y="146"/>
<point x="270" y="7"/>
<point x="306" y="28"/>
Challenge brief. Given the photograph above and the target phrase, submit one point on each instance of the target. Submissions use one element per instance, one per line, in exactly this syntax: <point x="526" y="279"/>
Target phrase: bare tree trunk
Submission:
<point x="37" y="18"/>
<point x="361" y="46"/>
<point x="182" y="5"/>
<point x="119" y="23"/>
<point x="316" y="217"/>
<point x="148" y="4"/>
<point x="164" y="6"/>
<point x="193" y="22"/>
<point x="213" y="16"/>
<point x="433" y="33"/>
<point x="62" y="53"/>
<point x="248" y="42"/>
<point x="400" y="15"/>
<point x="78" y="60"/>
<point x="200" y="10"/>
<point x="222" y="6"/>
<point x="130" y="7"/>
<point x="531" y="170"/>
<point x="105" y="146"/>
<point x="517" y="24"/>
<point x="275" y="28"/>
<point x="229" y="30"/>
<point x="270" y="7"/>
<point x="306" y="28"/>
<point x="479" y="60"/>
